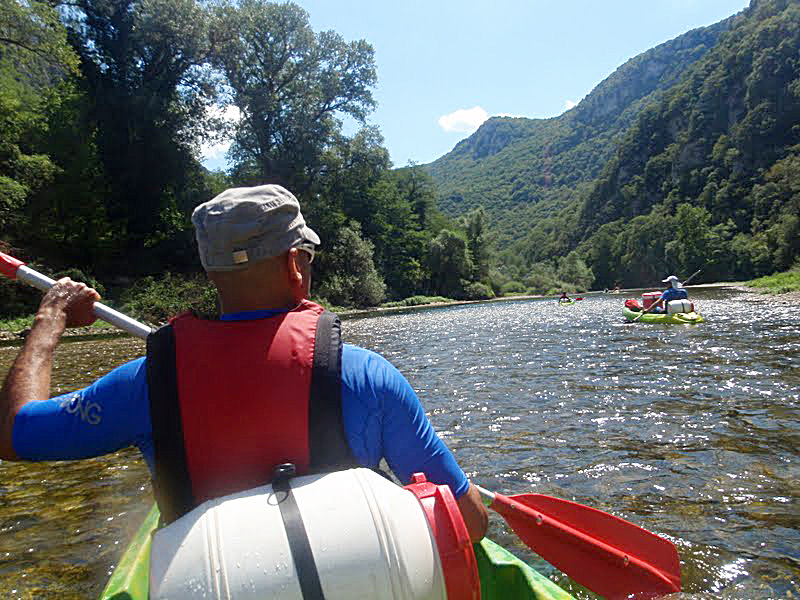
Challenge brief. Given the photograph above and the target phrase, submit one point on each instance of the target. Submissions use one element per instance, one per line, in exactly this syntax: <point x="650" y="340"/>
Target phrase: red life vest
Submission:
<point x="231" y="400"/>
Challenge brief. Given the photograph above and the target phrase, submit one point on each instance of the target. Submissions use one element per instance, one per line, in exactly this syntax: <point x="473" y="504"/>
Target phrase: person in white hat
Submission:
<point x="675" y="291"/>
<point x="217" y="404"/>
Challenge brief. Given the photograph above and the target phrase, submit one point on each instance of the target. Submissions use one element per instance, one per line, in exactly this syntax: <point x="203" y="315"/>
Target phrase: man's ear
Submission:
<point x="293" y="267"/>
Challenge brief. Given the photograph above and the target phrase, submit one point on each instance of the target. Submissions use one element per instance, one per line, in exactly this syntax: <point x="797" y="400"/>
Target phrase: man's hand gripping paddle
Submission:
<point x="16" y="269"/>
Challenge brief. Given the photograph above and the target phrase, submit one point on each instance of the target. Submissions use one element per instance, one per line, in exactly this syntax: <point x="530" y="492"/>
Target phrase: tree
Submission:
<point x="33" y="44"/>
<point x="420" y="193"/>
<point x="600" y="255"/>
<point x="352" y="277"/>
<point x="22" y="172"/>
<point x="477" y="244"/>
<point x="690" y="244"/>
<point x="450" y="264"/>
<point x="291" y="85"/>
<point x="572" y="269"/>
<point x="142" y="65"/>
<point x="641" y="246"/>
<point x="34" y="54"/>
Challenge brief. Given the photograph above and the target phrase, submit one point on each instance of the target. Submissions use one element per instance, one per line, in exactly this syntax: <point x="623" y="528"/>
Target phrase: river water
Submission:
<point x="692" y="432"/>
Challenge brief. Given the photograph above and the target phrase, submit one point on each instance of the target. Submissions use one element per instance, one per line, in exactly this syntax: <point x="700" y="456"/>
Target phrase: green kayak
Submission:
<point x="678" y="318"/>
<point x="503" y="575"/>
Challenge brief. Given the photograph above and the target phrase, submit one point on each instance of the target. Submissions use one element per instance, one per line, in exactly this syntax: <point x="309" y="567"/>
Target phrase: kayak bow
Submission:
<point x="503" y="576"/>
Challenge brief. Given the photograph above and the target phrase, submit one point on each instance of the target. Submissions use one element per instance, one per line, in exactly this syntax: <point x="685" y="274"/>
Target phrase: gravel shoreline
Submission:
<point x="760" y="295"/>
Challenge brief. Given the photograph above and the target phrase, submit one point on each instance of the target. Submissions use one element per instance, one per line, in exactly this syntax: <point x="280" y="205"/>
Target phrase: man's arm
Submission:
<point x="476" y="517"/>
<point x="66" y="304"/>
<point x="404" y="435"/>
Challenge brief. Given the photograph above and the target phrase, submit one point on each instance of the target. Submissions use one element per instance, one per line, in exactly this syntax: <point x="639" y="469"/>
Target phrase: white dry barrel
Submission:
<point x="369" y="538"/>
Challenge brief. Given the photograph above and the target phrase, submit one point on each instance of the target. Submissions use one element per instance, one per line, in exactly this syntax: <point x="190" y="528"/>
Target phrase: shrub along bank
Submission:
<point x="779" y="283"/>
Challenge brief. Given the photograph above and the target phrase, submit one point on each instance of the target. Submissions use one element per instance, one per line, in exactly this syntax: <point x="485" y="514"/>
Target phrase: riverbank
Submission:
<point x="762" y="295"/>
<point x="770" y="290"/>
<point x="14" y="331"/>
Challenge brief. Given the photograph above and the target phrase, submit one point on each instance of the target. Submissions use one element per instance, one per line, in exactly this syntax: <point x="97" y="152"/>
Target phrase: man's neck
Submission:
<point x="237" y="305"/>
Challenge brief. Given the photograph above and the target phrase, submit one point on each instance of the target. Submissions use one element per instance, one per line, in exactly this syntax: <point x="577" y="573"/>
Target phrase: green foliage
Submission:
<point x="155" y="300"/>
<point x="542" y="278"/>
<point x="23" y="171"/>
<point x="353" y="279"/>
<point x="33" y="44"/>
<point x="477" y="243"/>
<point x="17" y="300"/>
<point x="78" y="275"/>
<point x="12" y="197"/>
<point x="476" y="290"/>
<point x="16" y="324"/>
<point x="512" y="287"/>
<point x="450" y="264"/>
<point x="778" y="283"/>
<point x="291" y="85"/>
<point x="417" y="301"/>
<point x="573" y="269"/>
<point x="142" y="67"/>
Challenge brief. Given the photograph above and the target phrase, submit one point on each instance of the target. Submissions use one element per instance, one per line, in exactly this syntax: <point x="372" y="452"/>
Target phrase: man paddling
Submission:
<point x="675" y="291"/>
<point x="217" y="404"/>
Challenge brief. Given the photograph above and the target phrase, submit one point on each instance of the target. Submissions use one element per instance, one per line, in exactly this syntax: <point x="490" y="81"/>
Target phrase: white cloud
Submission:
<point x="569" y="104"/>
<point x="211" y="152"/>
<point x="464" y="120"/>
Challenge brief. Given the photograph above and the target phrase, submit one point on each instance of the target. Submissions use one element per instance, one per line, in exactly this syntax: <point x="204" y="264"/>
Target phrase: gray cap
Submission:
<point x="673" y="280"/>
<point x="244" y="225"/>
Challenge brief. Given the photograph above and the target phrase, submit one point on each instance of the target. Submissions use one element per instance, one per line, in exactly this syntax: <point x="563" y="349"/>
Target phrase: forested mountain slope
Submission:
<point x="687" y="156"/>
<point x="515" y="163"/>
<point x="710" y="173"/>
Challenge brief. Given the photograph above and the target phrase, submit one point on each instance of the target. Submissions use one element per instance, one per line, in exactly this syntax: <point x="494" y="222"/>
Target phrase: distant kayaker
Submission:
<point x="564" y="297"/>
<point x="217" y="403"/>
<point x="675" y="291"/>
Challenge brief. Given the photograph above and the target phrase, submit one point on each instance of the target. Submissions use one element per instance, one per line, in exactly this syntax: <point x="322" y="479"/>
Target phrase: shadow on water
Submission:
<point x="690" y="431"/>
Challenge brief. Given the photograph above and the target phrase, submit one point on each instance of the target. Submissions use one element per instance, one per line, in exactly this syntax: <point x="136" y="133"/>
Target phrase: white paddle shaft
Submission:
<point x="107" y="314"/>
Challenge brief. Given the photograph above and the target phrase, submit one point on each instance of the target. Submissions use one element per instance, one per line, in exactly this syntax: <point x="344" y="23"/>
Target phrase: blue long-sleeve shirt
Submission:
<point x="382" y="418"/>
<point x="673" y="294"/>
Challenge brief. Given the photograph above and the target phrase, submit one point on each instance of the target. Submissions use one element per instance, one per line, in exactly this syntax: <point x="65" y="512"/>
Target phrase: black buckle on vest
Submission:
<point x="283" y="472"/>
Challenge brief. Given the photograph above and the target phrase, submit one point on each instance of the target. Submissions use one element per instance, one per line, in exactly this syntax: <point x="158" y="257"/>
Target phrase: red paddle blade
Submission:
<point x="9" y="265"/>
<point x="610" y="556"/>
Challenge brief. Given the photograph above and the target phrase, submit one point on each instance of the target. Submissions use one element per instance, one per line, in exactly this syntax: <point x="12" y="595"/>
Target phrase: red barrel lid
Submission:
<point x="452" y="539"/>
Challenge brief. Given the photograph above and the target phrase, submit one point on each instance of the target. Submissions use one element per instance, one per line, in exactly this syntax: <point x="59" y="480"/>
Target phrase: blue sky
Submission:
<point x="445" y="66"/>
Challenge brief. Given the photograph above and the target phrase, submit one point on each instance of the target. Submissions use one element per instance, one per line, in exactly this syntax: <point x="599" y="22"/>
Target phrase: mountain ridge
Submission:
<point x="544" y="152"/>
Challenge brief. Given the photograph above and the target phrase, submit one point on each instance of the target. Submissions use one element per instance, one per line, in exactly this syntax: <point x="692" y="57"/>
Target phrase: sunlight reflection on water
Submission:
<point x="690" y="431"/>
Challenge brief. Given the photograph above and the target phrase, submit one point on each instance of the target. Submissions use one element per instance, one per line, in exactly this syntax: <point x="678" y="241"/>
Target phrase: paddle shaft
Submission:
<point x="15" y="269"/>
<point x="692" y="276"/>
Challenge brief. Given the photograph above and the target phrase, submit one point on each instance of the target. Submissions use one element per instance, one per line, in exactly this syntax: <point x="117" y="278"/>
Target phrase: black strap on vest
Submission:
<point x="296" y="535"/>
<point x="328" y="447"/>
<point x="172" y="487"/>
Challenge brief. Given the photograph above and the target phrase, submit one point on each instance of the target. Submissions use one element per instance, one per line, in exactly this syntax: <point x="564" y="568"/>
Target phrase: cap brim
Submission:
<point x="311" y="235"/>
